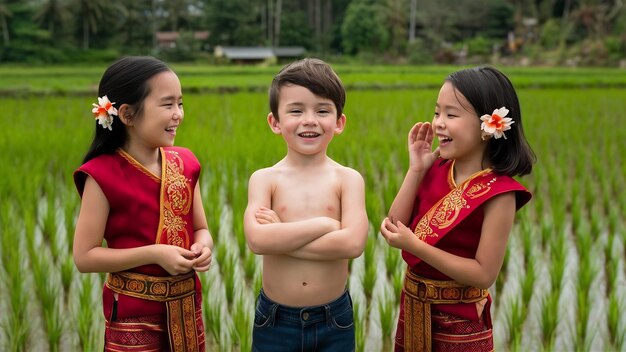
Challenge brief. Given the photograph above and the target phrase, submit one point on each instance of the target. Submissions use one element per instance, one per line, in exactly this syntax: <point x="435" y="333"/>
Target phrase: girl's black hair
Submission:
<point x="488" y="89"/>
<point x="124" y="82"/>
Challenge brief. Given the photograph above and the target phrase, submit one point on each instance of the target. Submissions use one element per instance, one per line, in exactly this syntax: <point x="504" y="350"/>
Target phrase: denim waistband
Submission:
<point x="305" y="315"/>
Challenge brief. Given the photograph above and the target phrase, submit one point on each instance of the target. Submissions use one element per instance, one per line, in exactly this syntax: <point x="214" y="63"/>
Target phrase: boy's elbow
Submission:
<point x="257" y="247"/>
<point x="355" y="249"/>
<point x="354" y="252"/>
<point x="254" y="248"/>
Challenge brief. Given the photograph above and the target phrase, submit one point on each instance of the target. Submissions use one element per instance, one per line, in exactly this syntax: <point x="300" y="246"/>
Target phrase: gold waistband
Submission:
<point x="441" y="292"/>
<point x="153" y="288"/>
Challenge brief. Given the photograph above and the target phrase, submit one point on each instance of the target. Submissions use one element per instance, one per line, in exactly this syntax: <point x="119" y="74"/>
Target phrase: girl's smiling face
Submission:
<point x="457" y="126"/>
<point x="161" y="113"/>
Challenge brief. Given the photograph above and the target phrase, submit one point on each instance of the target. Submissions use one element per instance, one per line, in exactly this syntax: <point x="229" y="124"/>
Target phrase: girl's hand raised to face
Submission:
<point x="421" y="155"/>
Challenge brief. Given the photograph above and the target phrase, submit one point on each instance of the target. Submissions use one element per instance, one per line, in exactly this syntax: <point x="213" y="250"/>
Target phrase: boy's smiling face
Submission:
<point x="306" y="121"/>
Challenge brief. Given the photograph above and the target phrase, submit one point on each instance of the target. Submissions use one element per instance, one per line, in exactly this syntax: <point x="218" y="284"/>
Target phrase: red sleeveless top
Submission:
<point x="462" y="217"/>
<point x="144" y="210"/>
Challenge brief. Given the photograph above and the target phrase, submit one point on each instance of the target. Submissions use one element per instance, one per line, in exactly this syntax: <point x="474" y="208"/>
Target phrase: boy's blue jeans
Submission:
<point x="329" y="327"/>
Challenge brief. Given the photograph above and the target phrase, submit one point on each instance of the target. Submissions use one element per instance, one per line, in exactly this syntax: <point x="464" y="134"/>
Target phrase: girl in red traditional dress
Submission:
<point x="459" y="202"/>
<point x="141" y="195"/>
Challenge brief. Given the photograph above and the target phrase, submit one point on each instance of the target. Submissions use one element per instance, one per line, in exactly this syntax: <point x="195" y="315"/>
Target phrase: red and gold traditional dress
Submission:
<point x="154" y="311"/>
<point x="436" y="312"/>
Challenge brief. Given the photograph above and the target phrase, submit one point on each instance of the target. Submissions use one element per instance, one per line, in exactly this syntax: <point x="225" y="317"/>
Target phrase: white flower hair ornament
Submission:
<point x="495" y="124"/>
<point x="104" y="111"/>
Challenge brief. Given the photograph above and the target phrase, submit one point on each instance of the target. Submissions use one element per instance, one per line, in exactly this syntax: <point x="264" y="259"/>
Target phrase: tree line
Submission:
<point x="414" y="31"/>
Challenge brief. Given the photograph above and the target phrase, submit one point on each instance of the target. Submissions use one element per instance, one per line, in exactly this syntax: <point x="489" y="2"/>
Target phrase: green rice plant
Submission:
<point x="615" y="221"/>
<point x="515" y="318"/>
<point x="369" y="275"/>
<point x="539" y="206"/>
<point x="501" y="278"/>
<point x="374" y="208"/>
<point x="242" y="323"/>
<point x="48" y="223"/>
<point x="210" y="190"/>
<point x="228" y="263"/>
<point x="257" y="282"/>
<point x="85" y="315"/>
<point x="590" y="190"/>
<point x="242" y="244"/>
<point x="586" y="274"/>
<point x="528" y="286"/>
<point x="369" y="281"/>
<point x="606" y="200"/>
<point x="70" y="209"/>
<point x="558" y="260"/>
<point x="386" y="310"/>
<point x="212" y="310"/>
<point x="549" y="318"/>
<point x="47" y="293"/>
<point x="393" y="260"/>
<point x="547" y="228"/>
<point x="617" y="335"/>
<point x="581" y="339"/>
<point x="577" y="213"/>
<point x="16" y="321"/>
<point x="239" y="198"/>
<point x="53" y="321"/>
<point x="559" y="218"/>
<point x="393" y="179"/>
<point x="527" y="247"/>
<point x="67" y="270"/>
<point x="583" y="238"/>
<point x="360" y="326"/>
<point x="611" y="268"/>
<point x="250" y="265"/>
<point x="15" y="331"/>
<point x="397" y="281"/>
<point x="596" y="221"/>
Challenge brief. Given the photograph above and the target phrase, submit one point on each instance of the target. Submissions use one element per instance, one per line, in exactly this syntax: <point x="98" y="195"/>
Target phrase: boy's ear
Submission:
<point x="341" y="124"/>
<point x="125" y="114"/>
<point x="274" y="123"/>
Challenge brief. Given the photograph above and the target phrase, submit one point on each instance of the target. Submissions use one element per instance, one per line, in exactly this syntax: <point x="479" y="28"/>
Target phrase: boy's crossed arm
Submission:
<point x="278" y="237"/>
<point x="347" y="241"/>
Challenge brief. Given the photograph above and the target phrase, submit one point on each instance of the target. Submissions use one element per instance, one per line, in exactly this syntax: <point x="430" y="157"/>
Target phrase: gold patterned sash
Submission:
<point x="419" y="294"/>
<point x="178" y="294"/>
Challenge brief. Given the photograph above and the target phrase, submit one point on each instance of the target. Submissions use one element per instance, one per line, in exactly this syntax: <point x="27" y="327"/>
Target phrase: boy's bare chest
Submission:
<point x="297" y="199"/>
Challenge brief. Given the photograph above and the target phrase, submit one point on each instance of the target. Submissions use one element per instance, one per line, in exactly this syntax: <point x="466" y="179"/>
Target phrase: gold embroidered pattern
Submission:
<point x="177" y="201"/>
<point x="480" y="189"/>
<point x="419" y="294"/>
<point x="449" y="209"/>
<point x="177" y="292"/>
<point x="446" y="211"/>
<point x="153" y="288"/>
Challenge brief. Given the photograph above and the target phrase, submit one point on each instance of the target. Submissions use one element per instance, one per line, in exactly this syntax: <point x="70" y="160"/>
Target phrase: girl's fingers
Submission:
<point x="413" y="132"/>
<point x="429" y="133"/>
<point x="387" y="228"/>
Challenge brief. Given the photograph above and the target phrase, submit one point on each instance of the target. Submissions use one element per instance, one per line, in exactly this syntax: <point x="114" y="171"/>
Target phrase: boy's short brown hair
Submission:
<point x="312" y="74"/>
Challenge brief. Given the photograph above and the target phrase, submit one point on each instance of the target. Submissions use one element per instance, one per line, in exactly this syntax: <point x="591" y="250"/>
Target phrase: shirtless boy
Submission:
<point x="306" y="215"/>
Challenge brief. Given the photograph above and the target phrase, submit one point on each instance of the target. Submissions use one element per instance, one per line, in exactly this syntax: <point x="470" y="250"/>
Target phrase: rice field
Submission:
<point x="563" y="283"/>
